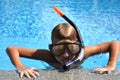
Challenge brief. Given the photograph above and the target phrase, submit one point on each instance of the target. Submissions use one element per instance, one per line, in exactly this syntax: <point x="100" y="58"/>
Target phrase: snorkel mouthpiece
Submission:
<point x="68" y="66"/>
<point x="71" y="64"/>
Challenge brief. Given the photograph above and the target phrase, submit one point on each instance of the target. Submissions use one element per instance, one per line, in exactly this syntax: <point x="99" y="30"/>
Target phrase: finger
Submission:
<point x="99" y="70"/>
<point x="21" y="74"/>
<point x="26" y="74"/>
<point x="36" y="73"/>
<point x="32" y="74"/>
<point x="96" y="71"/>
<point x="102" y="71"/>
<point x="109" y="72"/>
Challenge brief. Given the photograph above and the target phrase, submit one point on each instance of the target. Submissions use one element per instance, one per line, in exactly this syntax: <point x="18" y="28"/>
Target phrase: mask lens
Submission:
<point x="74" y="48"/>
<point x="58" y="49"/>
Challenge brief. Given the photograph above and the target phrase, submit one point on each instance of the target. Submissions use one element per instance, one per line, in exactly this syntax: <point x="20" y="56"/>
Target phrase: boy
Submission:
<point x="64" y="50"/>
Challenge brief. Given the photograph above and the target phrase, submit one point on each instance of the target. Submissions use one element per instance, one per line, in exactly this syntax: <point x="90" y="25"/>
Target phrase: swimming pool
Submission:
<point x="28" y="23"/>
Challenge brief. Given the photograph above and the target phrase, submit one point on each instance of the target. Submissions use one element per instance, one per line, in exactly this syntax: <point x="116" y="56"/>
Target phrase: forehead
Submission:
<point x="64" y="40"/>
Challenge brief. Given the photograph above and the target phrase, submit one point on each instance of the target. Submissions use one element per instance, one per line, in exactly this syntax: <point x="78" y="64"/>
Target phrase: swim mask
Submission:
<point x="58" y="49"/>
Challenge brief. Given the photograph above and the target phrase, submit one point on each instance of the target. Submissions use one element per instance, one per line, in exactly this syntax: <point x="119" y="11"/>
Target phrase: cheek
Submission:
<point x="60" y="58"/>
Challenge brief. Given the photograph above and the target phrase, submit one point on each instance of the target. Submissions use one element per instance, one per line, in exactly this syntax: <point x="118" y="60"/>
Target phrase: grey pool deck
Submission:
<point x="55" y="75"/>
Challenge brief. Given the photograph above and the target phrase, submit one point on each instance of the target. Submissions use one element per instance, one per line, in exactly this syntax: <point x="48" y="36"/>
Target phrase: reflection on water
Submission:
<point x="28" y="23"/>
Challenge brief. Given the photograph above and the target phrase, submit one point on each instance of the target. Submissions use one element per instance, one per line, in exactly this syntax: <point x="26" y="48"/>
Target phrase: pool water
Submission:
<point x="28" y="23"/>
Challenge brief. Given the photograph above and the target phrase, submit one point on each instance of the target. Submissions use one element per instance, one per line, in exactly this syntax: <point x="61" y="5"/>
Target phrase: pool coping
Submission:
<point x="74" y="74"/>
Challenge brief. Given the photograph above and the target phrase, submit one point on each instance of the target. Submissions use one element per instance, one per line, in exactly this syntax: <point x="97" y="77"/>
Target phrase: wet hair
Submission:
<point x="64" y="31"/>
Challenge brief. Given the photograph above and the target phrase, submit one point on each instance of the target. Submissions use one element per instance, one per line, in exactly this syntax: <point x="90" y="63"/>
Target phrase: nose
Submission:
<point x="66" y="54"/>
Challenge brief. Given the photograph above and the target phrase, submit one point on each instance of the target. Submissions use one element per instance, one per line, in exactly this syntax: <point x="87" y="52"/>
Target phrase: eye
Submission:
<point x="74" y="48"/>
<point x="58" y="49"/>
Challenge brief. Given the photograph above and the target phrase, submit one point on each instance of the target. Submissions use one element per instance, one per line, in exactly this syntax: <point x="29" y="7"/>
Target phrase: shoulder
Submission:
<point x="44" y="55"/>
<point x="89" y="50"/>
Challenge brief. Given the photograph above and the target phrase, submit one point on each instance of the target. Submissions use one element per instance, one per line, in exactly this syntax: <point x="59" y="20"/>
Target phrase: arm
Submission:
<point x="15" y="53"/>
<point x="112" y="47"/>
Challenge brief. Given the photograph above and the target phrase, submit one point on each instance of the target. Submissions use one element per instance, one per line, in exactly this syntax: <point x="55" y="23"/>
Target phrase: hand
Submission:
<point x="28" y="72"/>
<point x="106" y="70"/>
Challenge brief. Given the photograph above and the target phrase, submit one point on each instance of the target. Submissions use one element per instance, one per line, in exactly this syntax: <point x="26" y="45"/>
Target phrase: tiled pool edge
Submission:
<point x="55" y="75"/>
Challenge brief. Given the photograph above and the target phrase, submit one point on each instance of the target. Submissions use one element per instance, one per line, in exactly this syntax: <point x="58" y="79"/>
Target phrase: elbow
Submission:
<point x="115" y="45"/>
<point x="115" y="42"/>
<point x="9" y="50"/>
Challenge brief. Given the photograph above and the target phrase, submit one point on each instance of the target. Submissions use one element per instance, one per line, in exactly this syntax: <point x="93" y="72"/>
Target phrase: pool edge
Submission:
<point x="55" y="75"/>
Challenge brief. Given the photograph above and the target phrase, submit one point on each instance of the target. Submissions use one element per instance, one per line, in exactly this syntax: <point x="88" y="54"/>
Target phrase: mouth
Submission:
<point x="66" y="61"/>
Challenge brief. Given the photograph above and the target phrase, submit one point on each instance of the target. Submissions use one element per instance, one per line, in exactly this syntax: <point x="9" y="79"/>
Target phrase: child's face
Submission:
<point x="66" y="50"/>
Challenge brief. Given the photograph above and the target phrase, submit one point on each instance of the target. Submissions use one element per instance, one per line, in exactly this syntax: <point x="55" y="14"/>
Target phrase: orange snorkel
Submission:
<point x="80" y="57"/>
<point x="58" y="11"/>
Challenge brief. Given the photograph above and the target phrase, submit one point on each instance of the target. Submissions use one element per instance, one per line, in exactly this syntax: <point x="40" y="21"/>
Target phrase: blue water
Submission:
<point x="28" y="23"/>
